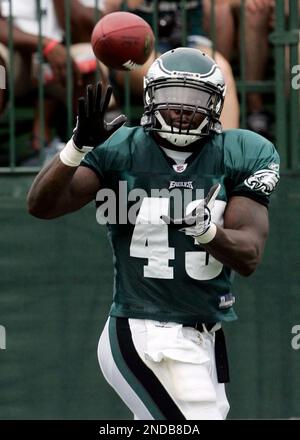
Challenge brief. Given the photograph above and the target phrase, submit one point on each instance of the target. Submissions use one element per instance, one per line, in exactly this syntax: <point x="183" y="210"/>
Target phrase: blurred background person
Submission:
<point x="170" y="36"/>
<point x="26" y="63"/>
<point x="259" y="22"/>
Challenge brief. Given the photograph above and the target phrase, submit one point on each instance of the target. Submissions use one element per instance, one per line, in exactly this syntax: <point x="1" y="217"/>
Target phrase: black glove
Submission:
<point x="91" y="129"/>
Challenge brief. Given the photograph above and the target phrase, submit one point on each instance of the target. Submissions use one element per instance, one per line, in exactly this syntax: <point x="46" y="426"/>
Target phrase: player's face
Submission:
<point x="182" y="119"/>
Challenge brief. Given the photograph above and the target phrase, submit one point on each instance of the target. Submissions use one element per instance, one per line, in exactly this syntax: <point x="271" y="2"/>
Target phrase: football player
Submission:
<point x="163" y="348"/>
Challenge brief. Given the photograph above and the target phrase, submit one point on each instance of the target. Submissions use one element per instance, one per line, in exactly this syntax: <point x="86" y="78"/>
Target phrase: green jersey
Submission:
<point x="161" y="273"/>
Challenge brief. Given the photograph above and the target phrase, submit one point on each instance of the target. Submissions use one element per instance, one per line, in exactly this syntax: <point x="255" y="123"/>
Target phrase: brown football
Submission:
<point x="122" y="40"/>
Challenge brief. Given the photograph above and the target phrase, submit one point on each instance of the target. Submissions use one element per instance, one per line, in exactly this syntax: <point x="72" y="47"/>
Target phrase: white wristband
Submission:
<point x="71" y="155"/>
<point x="208" y="236"/>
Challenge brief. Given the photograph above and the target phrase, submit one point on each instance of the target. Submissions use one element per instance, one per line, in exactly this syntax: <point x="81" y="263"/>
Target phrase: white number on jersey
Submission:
<point x="150" y="240"/>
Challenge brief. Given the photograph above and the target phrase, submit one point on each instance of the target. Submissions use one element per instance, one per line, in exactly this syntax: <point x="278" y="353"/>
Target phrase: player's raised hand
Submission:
<point x="91" y="128"/>
<point x="198" y="222"/>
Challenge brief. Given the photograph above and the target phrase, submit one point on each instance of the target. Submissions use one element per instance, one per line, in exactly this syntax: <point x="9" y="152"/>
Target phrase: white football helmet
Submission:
<point x="186" y="80"/>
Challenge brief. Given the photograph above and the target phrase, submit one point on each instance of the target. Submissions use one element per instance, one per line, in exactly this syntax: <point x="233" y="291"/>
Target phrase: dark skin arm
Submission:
<point x="25" y="42"/>
<point x="82" y="19"/>
<point x="22" y="40"/>
<point x="241" y="242"/>
<point x="59" y="189"/>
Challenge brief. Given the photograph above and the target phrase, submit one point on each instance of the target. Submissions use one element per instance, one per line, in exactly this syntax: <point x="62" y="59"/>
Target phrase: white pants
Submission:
<point x="162" y="371"/>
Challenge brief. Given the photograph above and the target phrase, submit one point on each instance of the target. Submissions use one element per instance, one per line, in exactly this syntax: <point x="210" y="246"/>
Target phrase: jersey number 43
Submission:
<point x="150" y="239"/>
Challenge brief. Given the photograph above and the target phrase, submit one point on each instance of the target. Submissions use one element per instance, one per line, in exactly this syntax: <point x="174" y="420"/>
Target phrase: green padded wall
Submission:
<point x="56" y="284"/>
<point x="265" y="368"/>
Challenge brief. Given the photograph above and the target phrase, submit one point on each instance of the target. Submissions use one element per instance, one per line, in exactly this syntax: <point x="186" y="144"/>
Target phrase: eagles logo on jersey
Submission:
<point x="263" y="181"/>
